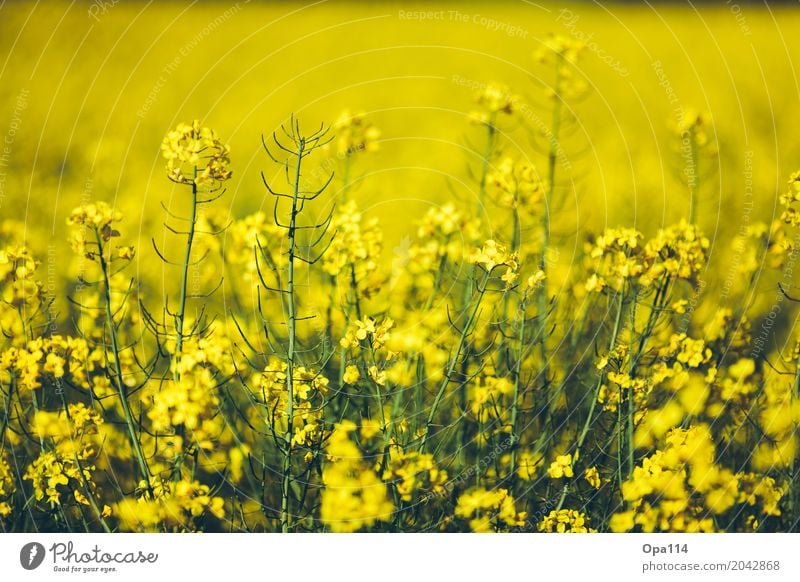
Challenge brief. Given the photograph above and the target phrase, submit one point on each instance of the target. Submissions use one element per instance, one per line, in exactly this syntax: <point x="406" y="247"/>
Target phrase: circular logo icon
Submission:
<point x="31" y="555"/>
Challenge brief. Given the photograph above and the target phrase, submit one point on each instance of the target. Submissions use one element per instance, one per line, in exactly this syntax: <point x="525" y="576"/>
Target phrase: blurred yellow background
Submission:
<point x="89" y="91"/>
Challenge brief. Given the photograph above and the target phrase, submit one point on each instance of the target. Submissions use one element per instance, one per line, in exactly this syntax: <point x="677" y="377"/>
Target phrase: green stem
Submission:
<point x="694" y="187"/>
<point x="292" y="324"/>
<point x="487" y="157"/>
<point x="515" y="404"/>
<point x="451" y="367"/>
<point x="552" y="158"/>
<point x="180" y="317"/>
<point x="144" y="470"/>
<point x="631" y="405"/>
<point x="515" y="244"/>
<point x="346" y="177"/>
<point x="590" y="416"/>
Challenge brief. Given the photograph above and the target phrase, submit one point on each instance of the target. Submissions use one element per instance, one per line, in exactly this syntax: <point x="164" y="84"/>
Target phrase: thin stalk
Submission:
<point x="346" y="177"/>
<point x="631" y="404"/>
<point x="6" y="419"/>
<point x="381" y="411"/>
<point x="180" y="318"/>
<point x="487" y="157"/>
<point x="596" y="393"/>
<point x="515" y="402"/>
<point x="353" y="303"/>
<point x="485" y="164"/>
<point x="292" y="330"/>
<point x="353" y="281"/>
<point x="477" y="468"/>
<point x="552" y="158"/>
<point x="144" y="470"/>
<point x="414" y="358"/>
<point x="91" y="497"/>
<point x="451" y="367"/>
<point x="694" y="186"/>
<point x="515" y="244"/>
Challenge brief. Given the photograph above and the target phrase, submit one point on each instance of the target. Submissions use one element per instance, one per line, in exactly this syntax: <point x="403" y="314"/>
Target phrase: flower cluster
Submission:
<point x="493" y="255"/>
<point x="559" y="46"/>
<point x="414" y="474"/>
<point x="619" y="256"/>
<point x="353" y="133"/>
<point x="368" y="329"/>
<point x="528" y="465"/>
<point x="564" y="521"/>
<point x="65" y="471"/>
<point x="356" y="248"/>
<point x="489" y="510"/>
<point x="94" y="227"/>
<point x="696" y="127"/>
<point x="195" y="155"/>
<point x="20" y="291"/>
<point x="494" y="99"/>
<point x="617" y="259"/>
<point x="563" y="52"/>
<point x="49" y="360"/>
<point x="678" y="251"/>
<point x="790" y="215"/>
<point x="354" y="496"/>
<point x="561" y="467"/>
<point x="7" y="487"/>
<point x="309" y="388"/>
<point x="517" y="185"/>
<point x="189" y="403"/>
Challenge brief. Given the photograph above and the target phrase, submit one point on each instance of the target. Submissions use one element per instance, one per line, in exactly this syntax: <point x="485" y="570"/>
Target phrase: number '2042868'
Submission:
<point x="754" y="565"/>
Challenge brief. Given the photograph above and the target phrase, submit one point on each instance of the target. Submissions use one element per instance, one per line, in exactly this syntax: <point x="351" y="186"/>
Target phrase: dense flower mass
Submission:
<point x="354" y="497"/>
<point x="489" y="510"/>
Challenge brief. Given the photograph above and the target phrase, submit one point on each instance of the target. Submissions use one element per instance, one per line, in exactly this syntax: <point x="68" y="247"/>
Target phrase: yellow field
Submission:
<point x="556" y="291"/>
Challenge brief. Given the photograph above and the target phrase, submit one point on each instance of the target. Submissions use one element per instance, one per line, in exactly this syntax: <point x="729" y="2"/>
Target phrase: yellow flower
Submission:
<point x="592" y="477"/>
<point x="622" y="522"/>
<point x="535" y="281"/>
<point x="376" y="375"/>
<point x="561" y="467"/>
<point x="369" y="428"/>
<point x="351" y="375"/>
